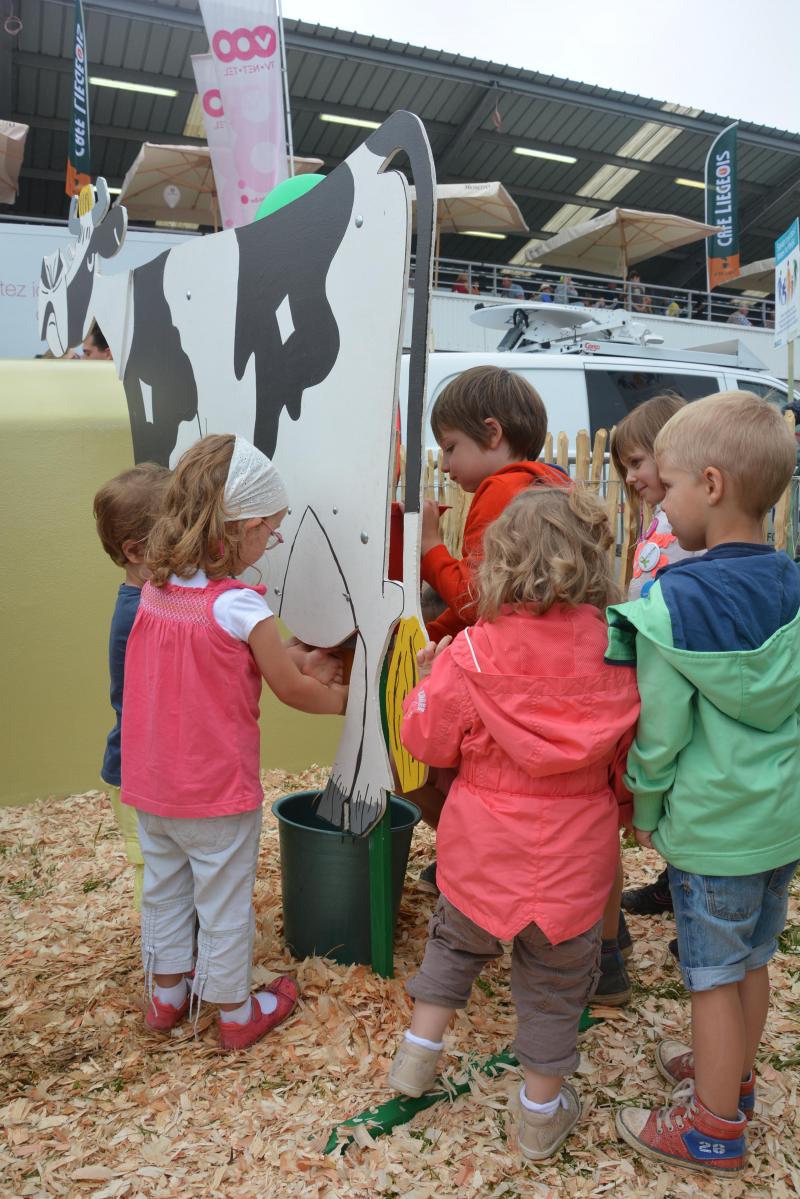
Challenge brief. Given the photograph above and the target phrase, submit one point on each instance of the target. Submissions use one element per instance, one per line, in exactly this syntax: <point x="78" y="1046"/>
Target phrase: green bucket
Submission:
<point x="325" y="878"/>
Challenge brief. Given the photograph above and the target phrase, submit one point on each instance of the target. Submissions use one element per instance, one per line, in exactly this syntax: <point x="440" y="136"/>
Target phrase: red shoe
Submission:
<point x="675" y="1063"/>
<point x="161" y="1017"/>
<point x="239" y="1036"/>
<point x="686" y="1134"/>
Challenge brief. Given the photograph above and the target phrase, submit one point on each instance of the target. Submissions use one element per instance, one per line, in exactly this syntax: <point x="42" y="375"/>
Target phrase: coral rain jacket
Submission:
<point x="538" y="726"/>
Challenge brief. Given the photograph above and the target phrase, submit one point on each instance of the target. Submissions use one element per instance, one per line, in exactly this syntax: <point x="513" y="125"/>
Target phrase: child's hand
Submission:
<point x="342" y="691"/>
<point x="427" y="656"/>
<point x="323" y="666"/>
<point x="430" y="526"/>
<point x="644" y="838"/>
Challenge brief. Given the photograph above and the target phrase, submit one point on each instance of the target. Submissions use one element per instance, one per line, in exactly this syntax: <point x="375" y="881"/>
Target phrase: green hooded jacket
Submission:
<point x="715" y="765"/>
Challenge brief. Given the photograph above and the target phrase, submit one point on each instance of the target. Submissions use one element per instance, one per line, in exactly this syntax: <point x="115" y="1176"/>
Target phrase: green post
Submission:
<point x="380" y="871"/>
<point x="380" y="895"/>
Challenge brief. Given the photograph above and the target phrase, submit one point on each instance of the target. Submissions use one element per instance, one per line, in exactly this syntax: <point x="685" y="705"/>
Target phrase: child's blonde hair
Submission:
<point x="192" y="532"/>
<point x="743" y="436"/>
<point x="549" y="546"/>
<point x="639" y="429"/>
<point x="127" y="506"/>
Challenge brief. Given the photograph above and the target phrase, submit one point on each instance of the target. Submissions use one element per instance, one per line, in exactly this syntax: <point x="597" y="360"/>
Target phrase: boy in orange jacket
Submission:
<point x="491" y="425"/>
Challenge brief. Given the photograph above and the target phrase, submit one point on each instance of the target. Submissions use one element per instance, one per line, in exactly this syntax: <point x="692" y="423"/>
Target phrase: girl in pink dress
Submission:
<point x="199" y="648"/>
<point x="537" y="726"/>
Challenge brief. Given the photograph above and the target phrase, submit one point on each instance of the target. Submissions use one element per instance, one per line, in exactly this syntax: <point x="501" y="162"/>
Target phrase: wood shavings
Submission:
<point x="93" y="1106"/>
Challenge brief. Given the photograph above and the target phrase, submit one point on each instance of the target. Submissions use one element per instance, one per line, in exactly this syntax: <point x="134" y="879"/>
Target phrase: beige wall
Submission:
<point x="63" y="432"/>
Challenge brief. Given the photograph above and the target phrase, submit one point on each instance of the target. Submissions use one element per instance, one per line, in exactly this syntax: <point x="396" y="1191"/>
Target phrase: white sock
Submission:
<point x="174" y="996"/>
<point x="267" y="1001"/>
<point x="543" y="1109"/>
<point x="435" y="1045"/>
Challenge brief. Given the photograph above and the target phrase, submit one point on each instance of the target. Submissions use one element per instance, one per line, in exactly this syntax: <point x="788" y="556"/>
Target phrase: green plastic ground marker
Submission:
<point x="381" y="1120"/>
<point x="380" y="872"/>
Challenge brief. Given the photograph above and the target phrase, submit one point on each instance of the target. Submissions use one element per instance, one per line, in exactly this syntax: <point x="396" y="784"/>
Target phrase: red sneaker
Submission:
<point x="161" y="1017"/>
<point x="686" y="1134"/>
<point x="239" y="1036"/>
<point x="675" y="1063"/>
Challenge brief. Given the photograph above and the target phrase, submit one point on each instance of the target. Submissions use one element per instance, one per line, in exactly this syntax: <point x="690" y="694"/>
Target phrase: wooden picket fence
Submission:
<point x="593" y="467"/>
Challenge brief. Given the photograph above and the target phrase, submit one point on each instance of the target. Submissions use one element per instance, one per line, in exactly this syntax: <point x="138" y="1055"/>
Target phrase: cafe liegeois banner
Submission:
<point x="79" y="169"/>
<point x="722" y="208"/>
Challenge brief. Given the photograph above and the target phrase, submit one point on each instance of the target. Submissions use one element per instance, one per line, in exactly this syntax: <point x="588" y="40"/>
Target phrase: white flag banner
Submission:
<point x="219" y="145"/>
<point x="243" y="37"/>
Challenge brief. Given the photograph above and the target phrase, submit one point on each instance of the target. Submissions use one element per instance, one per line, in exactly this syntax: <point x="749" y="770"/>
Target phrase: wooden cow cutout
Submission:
<point x="289" y="332"/>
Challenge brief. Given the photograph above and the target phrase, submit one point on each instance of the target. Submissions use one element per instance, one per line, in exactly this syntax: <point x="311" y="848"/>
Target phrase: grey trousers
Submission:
<point x="200" y="871"/>
<point x="550" y="984"/>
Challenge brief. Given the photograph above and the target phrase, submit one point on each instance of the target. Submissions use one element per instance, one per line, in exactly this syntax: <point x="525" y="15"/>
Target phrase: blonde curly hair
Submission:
<point x="192" y="532"/>
<point x="550" y="546"/>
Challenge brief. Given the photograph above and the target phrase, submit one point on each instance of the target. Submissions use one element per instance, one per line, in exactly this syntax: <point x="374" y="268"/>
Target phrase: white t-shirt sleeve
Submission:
<point x="239" y="611"/>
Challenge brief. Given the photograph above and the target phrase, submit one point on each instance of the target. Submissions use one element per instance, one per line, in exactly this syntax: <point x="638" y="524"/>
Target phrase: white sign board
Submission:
<point x="22" y="248"/>
<point x="787" y="285"/>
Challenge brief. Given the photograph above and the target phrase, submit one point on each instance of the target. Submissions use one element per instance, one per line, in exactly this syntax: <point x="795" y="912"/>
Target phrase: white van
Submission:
<point x="592" y="368"/>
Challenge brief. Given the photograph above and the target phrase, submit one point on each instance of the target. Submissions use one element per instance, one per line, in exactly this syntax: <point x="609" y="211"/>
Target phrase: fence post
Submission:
<point x="598" y="459"/>
<point x="548" y="447"/>
<point x="562" y="453"/>
<point x="784" y="505"/>
<point x="582" y="456"/>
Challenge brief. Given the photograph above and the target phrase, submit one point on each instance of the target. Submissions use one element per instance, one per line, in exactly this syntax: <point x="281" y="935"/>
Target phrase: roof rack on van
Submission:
<point x="536" y="328"/>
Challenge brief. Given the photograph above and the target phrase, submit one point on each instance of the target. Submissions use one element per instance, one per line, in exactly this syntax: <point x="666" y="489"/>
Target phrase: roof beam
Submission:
<point x="7" y="43"/>
<point x="61" y="125"/>
<point x="51" y="62"/>
<point x="469" y="124"/>
<point x="363" y="51"/>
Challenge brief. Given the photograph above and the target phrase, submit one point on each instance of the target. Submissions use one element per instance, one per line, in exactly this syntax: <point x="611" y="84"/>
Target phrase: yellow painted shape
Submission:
<point x="64" y="430"/>
<point x="401" y="679"/>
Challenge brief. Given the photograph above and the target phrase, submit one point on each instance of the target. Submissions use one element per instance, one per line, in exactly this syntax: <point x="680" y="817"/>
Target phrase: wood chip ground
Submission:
<point x="94" y="1106"/>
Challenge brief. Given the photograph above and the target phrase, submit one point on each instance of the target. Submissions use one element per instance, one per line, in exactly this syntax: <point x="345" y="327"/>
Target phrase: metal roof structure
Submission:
<point x="627" y="149"/>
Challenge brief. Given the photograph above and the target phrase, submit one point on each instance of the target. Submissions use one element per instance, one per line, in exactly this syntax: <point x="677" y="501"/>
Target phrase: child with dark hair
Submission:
<point x="125" y="510"/>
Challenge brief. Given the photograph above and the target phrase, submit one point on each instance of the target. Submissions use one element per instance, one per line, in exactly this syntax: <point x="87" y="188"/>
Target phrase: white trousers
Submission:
<point x="198" y="878"/>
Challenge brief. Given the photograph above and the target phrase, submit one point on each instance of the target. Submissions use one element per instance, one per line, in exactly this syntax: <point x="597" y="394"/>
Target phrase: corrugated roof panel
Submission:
<point x="139" y="34"/>
<point x="29" y="37"/>
<point x="177" y="52"/>
<point x="52" y="25"/>
<point x="47" y="99"/>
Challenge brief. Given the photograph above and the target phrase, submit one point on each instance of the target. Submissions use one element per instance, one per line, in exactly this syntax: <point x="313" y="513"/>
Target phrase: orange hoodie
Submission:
<point x="452" y="577"/>
<point x="538" y="727"/>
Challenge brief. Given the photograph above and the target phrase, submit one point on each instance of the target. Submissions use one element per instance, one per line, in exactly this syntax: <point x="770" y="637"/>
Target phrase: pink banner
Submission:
<point x="243" y="39"/>
<point x="225" y="175"/>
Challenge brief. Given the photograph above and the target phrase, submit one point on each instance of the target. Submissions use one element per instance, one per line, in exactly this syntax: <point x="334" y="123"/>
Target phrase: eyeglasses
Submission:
<point x="275" y="538"/>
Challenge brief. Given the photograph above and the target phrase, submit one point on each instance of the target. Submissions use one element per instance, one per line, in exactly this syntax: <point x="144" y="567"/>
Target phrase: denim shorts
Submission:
<point x="728" y="925"/>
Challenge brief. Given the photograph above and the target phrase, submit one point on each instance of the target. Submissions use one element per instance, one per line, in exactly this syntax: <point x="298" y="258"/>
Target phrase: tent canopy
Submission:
<point x="176" y="183"/>
<point x="756" y="276"/>
<point x="478" y="207"/>
<point x="12" y="147"/>
<point x="610" y="244"/>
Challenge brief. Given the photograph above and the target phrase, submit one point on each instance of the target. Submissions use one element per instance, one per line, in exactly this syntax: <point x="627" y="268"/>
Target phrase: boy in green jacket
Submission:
<point x="715" y="764"/>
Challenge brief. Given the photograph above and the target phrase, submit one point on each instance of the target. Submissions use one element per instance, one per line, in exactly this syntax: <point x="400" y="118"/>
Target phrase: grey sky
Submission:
<point x="737" y="59"/>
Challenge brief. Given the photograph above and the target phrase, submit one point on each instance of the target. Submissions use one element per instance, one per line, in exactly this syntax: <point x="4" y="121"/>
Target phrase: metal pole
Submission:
<point x="381" y="914"/>
<point x="790" y="371"/>
<point x="287" y="112"/>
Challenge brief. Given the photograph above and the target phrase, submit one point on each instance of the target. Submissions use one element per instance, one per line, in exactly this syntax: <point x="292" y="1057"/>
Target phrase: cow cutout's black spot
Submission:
<point x="290" y="253"/>
<point x="157" y="359"/>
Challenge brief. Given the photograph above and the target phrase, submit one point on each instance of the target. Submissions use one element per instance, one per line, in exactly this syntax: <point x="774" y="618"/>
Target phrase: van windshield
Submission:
<point x="614" y="393"/>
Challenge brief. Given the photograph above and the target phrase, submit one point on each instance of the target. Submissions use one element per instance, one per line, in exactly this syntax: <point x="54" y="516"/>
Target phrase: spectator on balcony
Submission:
<point x="673" y="308"/>
<point x="740" y="316"/>
<point x="613" y="295"/>
<point x="636" y="293"/>
<point x="566" y="291"/>
<point x="545" y="294"/>
<point x="510" y="288"/>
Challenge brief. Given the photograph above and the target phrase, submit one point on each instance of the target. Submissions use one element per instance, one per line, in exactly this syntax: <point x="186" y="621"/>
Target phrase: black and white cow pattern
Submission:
<point x="288" y="332"/>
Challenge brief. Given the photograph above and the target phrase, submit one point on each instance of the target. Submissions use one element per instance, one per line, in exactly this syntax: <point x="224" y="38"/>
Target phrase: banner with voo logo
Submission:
<point x="219" y="145"/>
<point x="243" y="38"/>
<point x="722" y="208"/>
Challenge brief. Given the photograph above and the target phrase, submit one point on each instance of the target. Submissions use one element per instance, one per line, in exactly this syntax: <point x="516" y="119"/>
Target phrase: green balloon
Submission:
<point x="284" y="193"/>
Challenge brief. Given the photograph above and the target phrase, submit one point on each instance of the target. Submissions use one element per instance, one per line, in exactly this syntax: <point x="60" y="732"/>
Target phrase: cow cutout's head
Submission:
<point x="67" y="278"/>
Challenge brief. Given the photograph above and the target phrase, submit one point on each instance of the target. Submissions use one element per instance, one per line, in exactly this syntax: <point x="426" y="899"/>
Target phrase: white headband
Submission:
<point x="253" y="486"/>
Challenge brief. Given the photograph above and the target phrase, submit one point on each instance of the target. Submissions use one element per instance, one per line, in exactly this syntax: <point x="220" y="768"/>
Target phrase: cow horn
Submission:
<point x="74" y="222"/>
<point x="102" y="202"/>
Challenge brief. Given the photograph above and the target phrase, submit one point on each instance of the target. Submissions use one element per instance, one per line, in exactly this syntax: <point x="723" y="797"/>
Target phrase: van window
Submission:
<point x="767" y="391"/>
<point x="613" y="394"/>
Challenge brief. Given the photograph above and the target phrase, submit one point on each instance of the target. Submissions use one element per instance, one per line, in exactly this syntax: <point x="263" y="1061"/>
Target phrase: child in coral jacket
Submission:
<point x="537" y="726"/>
